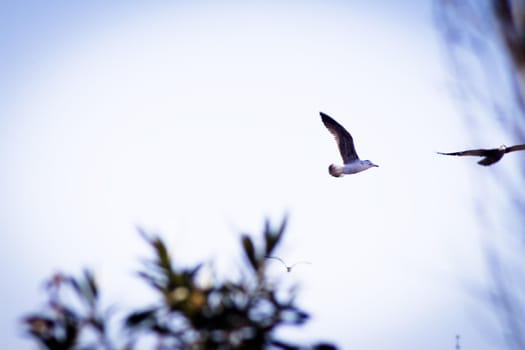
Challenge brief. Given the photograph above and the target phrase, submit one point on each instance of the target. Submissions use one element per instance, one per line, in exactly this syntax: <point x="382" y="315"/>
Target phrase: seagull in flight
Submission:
<point x="288" y="268"/>
<point x="352" y="163"/>
<point x="490" y="156"/>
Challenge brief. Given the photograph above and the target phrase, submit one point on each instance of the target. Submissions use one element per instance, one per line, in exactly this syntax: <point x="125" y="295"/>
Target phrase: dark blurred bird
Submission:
<point x="288" y="268"/>
<point x="352" y="163"/>
<point x="490" y="156"/>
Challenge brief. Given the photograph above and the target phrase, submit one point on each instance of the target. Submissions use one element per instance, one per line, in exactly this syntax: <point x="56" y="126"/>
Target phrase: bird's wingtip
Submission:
<point x="326" y="118"/>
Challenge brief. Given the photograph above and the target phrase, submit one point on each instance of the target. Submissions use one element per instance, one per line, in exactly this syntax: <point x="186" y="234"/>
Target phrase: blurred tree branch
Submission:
<point x="484" y="46"/>
<point x="511" y="18"/>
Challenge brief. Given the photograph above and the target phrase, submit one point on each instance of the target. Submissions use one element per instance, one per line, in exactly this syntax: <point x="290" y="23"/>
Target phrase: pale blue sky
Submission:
<point x="198" y="119"/>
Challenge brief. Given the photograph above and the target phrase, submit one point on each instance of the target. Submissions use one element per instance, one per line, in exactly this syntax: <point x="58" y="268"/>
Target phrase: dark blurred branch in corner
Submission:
<point x="511" y="19"/>
<point x="484" y="50"/>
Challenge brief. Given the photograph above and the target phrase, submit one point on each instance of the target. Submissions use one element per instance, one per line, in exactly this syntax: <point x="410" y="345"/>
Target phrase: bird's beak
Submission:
<point x="377" y="166"/>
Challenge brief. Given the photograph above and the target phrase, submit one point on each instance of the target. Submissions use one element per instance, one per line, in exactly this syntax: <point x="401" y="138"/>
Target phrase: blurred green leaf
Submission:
<point x="152" y="281"/>
<point x="249" y="250"/>
<point x="162" y="254"/>
<point x="272" y="238"/>
<point x="91" y="284"/>
<point x="38" y="324"/>
<point x="139" y="317"/>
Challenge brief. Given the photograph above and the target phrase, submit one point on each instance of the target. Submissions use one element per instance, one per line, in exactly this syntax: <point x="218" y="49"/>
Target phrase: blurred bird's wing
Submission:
<point x="471" y="152"/>
<point x="491" y="155"/>
<point x="342" y="137"/>
<point x="515" y="148"/>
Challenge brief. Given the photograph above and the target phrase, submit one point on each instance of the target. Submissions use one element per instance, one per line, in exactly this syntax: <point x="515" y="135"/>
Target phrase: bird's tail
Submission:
<point x="335" y="170"/>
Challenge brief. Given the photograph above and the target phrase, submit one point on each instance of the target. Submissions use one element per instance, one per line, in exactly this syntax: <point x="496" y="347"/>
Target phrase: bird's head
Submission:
<point x="502" y="148"/>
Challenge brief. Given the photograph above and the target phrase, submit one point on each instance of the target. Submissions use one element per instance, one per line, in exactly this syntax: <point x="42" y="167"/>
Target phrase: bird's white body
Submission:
<point x="350" y="168"/>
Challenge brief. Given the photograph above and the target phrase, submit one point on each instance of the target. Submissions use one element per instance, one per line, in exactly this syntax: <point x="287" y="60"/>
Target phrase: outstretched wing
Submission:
<point x="491" y="156"/>
<point x="471" y="152"/>
<point x="515" y="148"/>
<point x="342" y="137"/>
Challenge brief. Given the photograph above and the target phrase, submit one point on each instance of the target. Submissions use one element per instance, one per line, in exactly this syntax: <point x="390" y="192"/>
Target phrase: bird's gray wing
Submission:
<point x="515" y="148"/>
<point x="342" y="137"/>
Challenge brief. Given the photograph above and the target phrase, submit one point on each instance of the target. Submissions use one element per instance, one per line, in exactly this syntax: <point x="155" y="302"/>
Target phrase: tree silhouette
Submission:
<point x="187" y="315"/>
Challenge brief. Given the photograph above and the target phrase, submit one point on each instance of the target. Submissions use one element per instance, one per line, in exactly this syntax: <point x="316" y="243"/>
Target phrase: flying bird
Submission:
<point x="490" y="156"/>
<point x="288" y="268"/>
<point x="351" y="162"/>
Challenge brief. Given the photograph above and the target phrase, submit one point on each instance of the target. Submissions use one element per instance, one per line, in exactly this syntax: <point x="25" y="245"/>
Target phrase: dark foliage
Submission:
<point x="61" y="325"/>
<point x="226" y="315"/>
